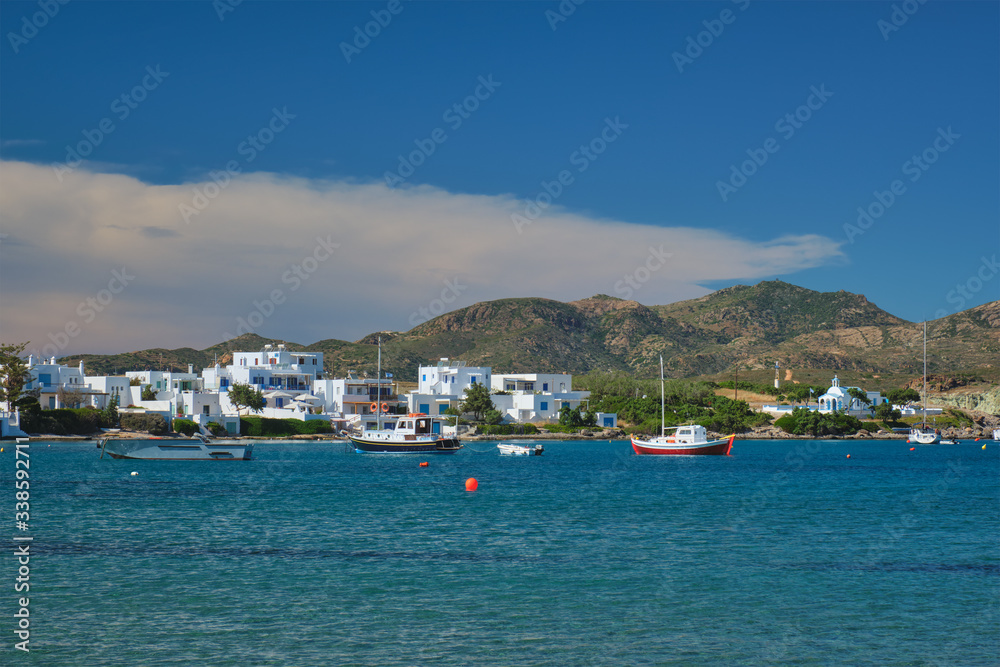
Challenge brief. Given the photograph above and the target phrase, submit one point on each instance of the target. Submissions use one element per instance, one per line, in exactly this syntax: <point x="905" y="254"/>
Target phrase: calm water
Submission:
<point x="315" y="555"/>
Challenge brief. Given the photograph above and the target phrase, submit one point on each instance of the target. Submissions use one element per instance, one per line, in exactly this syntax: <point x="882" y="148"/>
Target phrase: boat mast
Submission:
<point x="663" y="409"/>
<point x="378" y="387"/>
<point x="925" y="374"/>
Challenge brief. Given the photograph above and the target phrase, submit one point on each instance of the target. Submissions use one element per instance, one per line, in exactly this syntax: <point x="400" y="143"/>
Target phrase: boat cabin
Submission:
<point x="418" y="424"/>
<point x="690" y="434"/>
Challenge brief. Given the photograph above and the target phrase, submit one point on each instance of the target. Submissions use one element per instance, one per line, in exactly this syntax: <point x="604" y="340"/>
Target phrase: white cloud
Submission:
<point x="396" y="250"/>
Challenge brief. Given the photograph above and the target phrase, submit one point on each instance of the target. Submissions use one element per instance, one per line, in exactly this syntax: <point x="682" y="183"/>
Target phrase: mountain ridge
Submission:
<point x="751" y="326"/>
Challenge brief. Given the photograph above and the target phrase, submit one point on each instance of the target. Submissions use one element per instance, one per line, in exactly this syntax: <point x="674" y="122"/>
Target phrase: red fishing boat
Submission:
<point x="686" y="441"/>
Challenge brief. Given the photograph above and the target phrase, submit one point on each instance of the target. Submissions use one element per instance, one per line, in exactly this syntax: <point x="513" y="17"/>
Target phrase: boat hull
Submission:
<point x="176" y="449"/>
<point x="520" y="450"/>
<point x="424" y="446"/>
<point x="923" y="438"/>
<point x="711" y="447"/>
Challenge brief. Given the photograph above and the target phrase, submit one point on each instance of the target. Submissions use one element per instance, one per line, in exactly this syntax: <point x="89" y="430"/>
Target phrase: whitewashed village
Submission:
<point x="294" y="386"/>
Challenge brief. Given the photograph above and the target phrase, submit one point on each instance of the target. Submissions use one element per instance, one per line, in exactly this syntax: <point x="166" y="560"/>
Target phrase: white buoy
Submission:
<point x="134" y="473"/>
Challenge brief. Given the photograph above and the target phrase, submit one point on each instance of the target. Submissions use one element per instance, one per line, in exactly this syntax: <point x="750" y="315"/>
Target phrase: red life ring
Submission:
<point x="374" y="407"/>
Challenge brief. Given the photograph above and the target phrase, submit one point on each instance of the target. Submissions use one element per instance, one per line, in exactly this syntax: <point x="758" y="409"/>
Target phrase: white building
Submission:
<point x="107" y="386"/>
<point x="532" y="397"/>
<point x="443" y="386"/>
<point x="58" y="384"/>
<point x="837" y="398"/>
<point x="170" y="381"/>
<point x="270" y="369"/>
<point x="357" y="396"/>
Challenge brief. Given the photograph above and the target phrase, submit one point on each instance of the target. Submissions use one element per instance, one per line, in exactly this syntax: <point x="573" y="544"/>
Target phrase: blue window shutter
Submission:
<point x="545" y="405"/>
<point x="425" y="408"/>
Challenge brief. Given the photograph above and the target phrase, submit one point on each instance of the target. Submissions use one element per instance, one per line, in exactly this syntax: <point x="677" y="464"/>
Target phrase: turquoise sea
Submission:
<point x="311" y="554"/>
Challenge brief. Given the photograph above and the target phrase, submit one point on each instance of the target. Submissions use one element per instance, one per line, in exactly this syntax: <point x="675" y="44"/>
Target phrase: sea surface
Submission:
<point x="312" y="554"/>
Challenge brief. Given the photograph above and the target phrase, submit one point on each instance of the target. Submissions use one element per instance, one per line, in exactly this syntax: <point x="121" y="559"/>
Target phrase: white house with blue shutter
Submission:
<point x="534" y="397"/>
<point x="443" y="386"/>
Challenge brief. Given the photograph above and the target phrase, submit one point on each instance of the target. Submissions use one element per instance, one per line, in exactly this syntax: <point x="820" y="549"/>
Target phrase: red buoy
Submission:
<point x="471" y="484"/>
<point x="423" y="464"/>
<point x="912" y="448"/>
<point x="848" y="456"/>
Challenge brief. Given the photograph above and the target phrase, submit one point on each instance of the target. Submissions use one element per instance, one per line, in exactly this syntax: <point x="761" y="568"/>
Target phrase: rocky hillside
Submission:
<point x="752" y="326"/>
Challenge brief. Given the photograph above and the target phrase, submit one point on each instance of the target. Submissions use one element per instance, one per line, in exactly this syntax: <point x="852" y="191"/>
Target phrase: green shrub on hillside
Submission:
<point x="807" y="422"/>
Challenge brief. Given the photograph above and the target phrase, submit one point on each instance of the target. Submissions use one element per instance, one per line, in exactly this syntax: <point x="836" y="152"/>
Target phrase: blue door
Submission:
<point x="425" y="408"/>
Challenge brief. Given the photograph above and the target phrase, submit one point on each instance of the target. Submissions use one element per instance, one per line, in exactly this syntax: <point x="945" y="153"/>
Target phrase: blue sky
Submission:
<point x="306" y="238"/>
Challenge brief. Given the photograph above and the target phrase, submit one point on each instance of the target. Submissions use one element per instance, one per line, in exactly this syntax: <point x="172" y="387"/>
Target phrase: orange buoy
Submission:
<point x="912" y="448"/>
<point x="423" y="464"/>
<point x="848" y="456"/>
<point x="471" y="484"/>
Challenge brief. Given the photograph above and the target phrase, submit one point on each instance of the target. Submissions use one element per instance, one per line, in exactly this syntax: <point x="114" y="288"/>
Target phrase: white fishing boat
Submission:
<point x="508" y="449"/>
<point x="996" y="434"/>
<point x="922" y="433"/>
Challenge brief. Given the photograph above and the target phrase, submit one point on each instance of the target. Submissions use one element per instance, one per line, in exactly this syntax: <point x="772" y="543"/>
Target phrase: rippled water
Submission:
<point x="312" y="554"/>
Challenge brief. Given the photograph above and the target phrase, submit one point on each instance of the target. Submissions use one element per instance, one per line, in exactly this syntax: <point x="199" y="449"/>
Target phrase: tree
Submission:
<point x="493" y="417"/>
<point x="109" y="415"/>
<point x="887" y="414"/>
<point x="569" y="416"/>
<point x="69" y="397"/>
<point x="245" y="396"/>
<point x="456" y="414"/>
<point x="148" y="393"/>
<point x="859" y="395"/>
<point x="135" y="382"/>
<point x="13" y="373"/>
<point x="477" y="400"/>
<point x="902" y="396"/>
